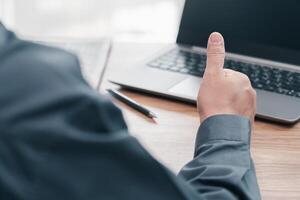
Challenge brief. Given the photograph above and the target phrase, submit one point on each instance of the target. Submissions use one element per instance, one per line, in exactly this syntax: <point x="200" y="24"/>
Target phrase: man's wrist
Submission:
<point x="224" y="127"/>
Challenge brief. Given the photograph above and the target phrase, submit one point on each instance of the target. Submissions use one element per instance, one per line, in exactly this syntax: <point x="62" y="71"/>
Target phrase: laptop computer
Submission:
<point x="262" y="40"/>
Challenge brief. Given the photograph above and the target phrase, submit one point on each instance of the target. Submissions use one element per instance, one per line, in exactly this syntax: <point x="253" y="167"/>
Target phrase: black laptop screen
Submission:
<point x="267" y="29"/>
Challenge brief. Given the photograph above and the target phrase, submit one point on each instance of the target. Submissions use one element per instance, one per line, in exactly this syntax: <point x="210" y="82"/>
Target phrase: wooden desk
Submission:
<point x="275" y="148"/>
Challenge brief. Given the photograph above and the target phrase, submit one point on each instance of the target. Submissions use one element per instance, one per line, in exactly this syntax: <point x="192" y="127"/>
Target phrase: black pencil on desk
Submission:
<point x="131" y="103"/>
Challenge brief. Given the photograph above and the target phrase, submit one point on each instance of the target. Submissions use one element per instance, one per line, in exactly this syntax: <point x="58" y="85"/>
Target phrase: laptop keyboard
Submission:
<point x="262" y="77"/>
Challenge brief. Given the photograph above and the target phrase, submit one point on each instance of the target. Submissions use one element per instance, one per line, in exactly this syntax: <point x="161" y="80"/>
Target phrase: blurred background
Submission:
<point x="146" y="21"/>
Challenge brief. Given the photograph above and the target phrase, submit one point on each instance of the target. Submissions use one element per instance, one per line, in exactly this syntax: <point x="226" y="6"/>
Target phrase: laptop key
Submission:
<point x="184" y="70"/>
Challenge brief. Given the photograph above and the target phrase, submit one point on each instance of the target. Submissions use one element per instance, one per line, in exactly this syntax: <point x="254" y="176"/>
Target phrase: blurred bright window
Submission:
<point x="123" y="20"/>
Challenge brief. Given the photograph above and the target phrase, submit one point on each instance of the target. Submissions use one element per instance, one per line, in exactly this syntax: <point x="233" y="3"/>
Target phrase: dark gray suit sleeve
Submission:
<point x="222" y="167"/>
